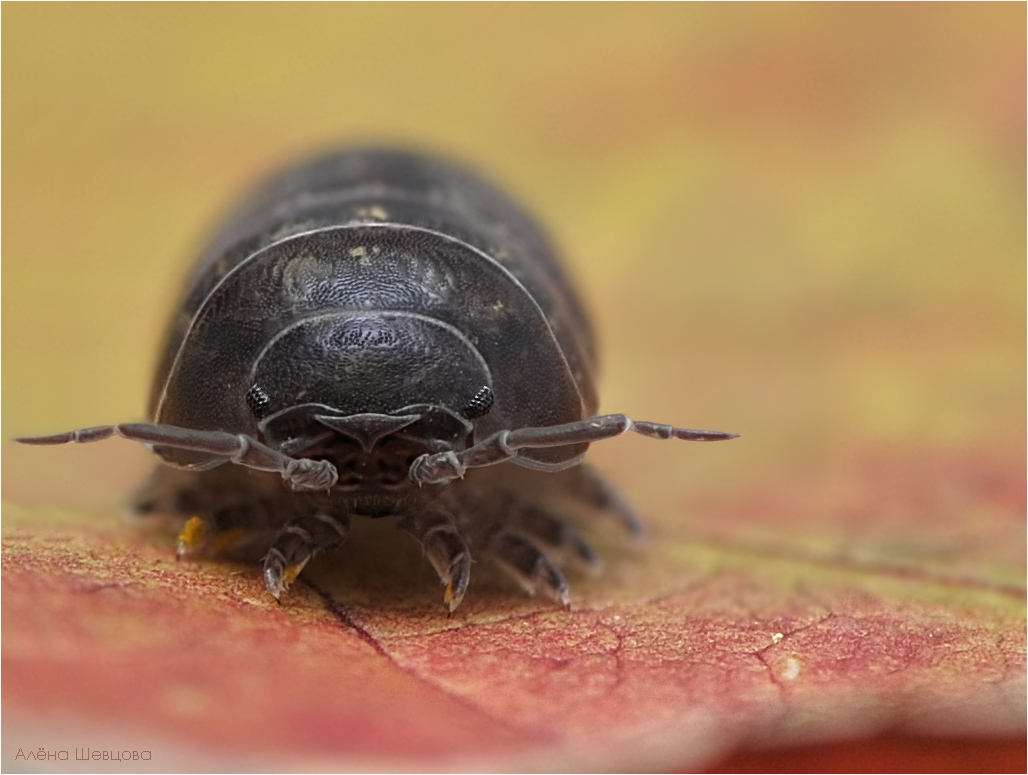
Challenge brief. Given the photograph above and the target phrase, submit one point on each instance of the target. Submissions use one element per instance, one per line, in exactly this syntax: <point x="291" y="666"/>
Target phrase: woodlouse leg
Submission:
<point x="297" y="542"/>
<point x="445" y="549"/>
<point x="228" y="530"/>
<point x="543" y="527"/>
<point x="224" y="512"/>
<point x="526" y="563"/>
<point x="600" y="494"/>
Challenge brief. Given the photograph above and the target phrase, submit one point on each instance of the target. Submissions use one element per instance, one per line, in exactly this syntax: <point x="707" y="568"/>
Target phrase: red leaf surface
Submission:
<point x="697" y="647"/>
<point x="804" y="224"/>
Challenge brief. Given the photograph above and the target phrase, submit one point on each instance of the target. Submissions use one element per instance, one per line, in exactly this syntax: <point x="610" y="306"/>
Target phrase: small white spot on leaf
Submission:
<point x="792" y="668"/>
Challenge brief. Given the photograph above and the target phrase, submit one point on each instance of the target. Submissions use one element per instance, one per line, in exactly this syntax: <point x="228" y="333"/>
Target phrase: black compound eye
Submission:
<point x="480" y="403"/>
<point x="258" y="401"/>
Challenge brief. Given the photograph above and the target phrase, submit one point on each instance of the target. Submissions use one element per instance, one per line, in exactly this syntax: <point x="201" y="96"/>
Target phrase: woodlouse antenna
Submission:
<point x="300" y="474"/>
<point x="443" y="467"/>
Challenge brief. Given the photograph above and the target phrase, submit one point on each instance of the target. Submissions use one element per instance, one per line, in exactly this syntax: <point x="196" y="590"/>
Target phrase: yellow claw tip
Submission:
<point x="450" y="599"/>
<point x="192" y="533"/>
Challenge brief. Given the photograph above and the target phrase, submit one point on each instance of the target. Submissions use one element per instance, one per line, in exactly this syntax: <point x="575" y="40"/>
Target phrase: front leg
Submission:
<point x="445" y="549"/>
<point x="298" y="541"/>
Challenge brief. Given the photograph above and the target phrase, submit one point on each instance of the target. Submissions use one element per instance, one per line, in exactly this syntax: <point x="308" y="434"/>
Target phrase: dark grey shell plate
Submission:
<point x="373" y="267"/>
<point x="389" y="189"/>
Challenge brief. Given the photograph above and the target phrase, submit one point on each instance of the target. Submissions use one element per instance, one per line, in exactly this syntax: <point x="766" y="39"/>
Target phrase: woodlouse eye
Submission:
<point x="258" y="401"/>
<point x="480" y="403"/>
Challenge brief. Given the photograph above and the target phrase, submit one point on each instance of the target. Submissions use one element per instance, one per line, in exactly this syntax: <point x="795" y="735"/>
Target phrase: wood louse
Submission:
<point x="379" y="328"/>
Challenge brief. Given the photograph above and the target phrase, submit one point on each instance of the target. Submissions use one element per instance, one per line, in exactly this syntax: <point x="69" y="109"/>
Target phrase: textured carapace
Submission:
<point x="371" y="326"/>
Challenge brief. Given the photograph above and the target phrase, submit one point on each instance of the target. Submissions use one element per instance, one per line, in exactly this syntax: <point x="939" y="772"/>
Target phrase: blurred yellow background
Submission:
<point x="804" y="223"/>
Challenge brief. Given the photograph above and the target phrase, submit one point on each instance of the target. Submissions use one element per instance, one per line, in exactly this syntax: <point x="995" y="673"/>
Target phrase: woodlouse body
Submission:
<point x="375" y="327"/>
